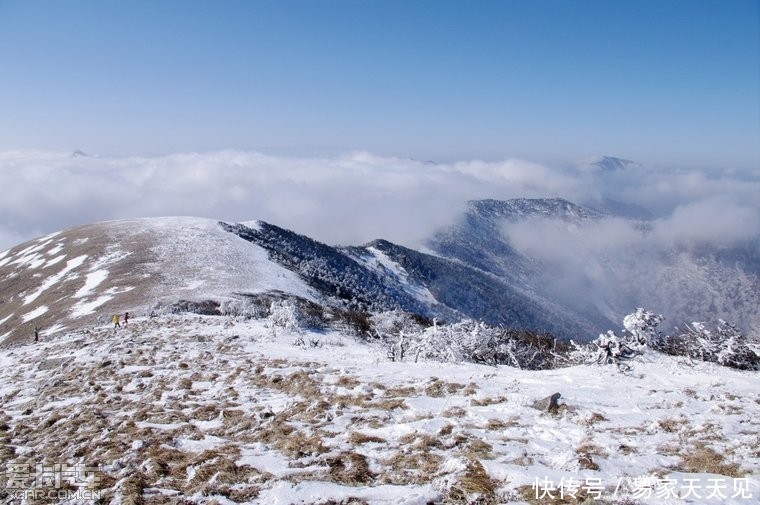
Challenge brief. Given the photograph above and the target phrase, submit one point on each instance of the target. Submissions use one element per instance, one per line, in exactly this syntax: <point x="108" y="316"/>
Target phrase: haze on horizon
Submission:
<point x="302" y="113"/>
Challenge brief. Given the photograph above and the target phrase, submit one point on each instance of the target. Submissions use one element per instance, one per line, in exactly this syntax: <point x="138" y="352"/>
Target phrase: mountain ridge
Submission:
<point x="471" y="269"/>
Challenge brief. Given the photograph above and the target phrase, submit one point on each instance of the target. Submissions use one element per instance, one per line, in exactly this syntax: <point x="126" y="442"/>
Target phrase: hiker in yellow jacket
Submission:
<point x="116" y="321"/>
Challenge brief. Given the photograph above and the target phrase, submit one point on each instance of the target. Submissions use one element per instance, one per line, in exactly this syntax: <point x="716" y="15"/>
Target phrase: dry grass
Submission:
<point x="400" y="392"/>
<point x="594" y="418"/>
<point x="671" y="425"/>
<point x="523" y="460"/>
<point x="591" y="449"/>
<point x="485" y="402"/>
<point x="299" y="445"/>
<point x="347" y="381"/>
<point x="132" y="489"/>
<point x="586" y="462"/>
<point x="703" y="459"/>
<point x="446" y="430"/>
<point x="350" y="468"/>
<point x="474" y="487"/>
<point x="206" y="413"/>
<point x="410" y="468"/>
<point x="357" y="438"/>
<point x="627" y="449"/>
<point x="480" y="449"/>
<point x="585" y="454"/>
<point x="438" y="388"/>
<point x="454" y="412"/>
<point x="470" y="389"/>
<point x="388" y="404"/>
<point x="501" y="424"/>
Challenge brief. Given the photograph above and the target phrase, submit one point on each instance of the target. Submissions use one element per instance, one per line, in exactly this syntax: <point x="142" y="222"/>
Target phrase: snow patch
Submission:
<point x="55" y="260"/>
<point x="52" y="330"/>
<point x="55" y="250"/>
<point x="92" y="281"/>
<point x="34" y="314"/>
<point x="85" y="308"/>
<point x="383" y="262"/>
<point x="53" y="280"/>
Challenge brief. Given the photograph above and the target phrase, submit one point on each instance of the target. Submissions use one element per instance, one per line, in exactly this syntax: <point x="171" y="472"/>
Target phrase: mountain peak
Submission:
<point x="607" y="164"/>
<point x="518" y="208"/>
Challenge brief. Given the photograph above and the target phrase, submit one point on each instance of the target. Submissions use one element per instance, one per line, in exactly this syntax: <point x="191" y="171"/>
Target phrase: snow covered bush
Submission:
<point x="283" y="314"/>
<point x="721" y="343"/>
<point x="640" y="332"/>
<point x="607" y="349"/>
<point x="642" y="327"/>
<point x="407" y="338"/>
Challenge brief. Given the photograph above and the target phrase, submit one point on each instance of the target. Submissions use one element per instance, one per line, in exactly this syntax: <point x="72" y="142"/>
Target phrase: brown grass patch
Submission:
<point x="357" y="438"/>
<point x="586" y="462"/>
<point x="523" y="460"/>
<point x="411" y="468"/>
<point x="594" y="418"/>
<point x="501" y="424"/>
<point x="474" y="487"/>
<point x="454" y="412"/>
<point x="299" y="445"/>
<point x="350" y="468"/>
<point x="627" y="449"/>
<point x="427" y="442"/>
<point x="400" y="391"/>
<point x="132" y="489"/>
<point x="703" y="459"/>
<point x="479" y="449"/>
<point x="485" y="402"/>
<point x="206" y="413"/>
<point x="671" y="425"/>
<point x="470" y="389"/>
<point x="388" y="404"/>
<point x="438" y="388"/>
<point x="591" y="449"/>
<point x="347" y="381"/>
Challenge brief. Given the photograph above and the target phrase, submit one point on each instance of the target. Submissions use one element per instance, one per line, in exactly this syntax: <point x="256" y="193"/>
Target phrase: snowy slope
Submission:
<point x="91" y="272"/>
<point x="192" y="409"/>
<point x="476" y="269"/>
<point x="587" y="269"/>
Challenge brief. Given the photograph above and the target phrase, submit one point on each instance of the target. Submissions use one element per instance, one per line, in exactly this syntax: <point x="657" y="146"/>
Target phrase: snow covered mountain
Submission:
<point x="488" y="266"/>
<point x="88" y="273"/>
<point x="591" y="267"/>
<point x="196" y="408"/>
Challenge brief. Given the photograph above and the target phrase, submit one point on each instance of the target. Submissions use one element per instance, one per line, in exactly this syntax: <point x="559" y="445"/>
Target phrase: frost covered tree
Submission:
<point x="640" y="332"/>
<point x="284" y="314"/>
<point x="723" y="343"/>
<point x="642" y="327"/>
<point x="735" y="350"/>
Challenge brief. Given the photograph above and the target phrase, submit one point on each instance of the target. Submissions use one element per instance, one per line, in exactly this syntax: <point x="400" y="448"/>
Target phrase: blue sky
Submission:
<point x="671" y="83"/>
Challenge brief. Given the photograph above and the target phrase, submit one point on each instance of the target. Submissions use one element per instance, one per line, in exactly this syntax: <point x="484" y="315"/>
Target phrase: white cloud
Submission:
<point x="717" y="221"/>
<point x="348" y="199"/>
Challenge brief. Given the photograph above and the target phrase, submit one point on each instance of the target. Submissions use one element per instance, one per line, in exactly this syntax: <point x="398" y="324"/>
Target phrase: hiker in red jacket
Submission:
<point x="126" y="318"/>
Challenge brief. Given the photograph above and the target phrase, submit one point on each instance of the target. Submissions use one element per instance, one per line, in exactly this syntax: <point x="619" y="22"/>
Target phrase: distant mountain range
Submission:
<point x="471" y="269"/>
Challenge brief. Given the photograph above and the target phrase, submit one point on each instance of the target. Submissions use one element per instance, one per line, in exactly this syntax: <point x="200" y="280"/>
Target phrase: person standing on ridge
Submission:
<point x="116" y="321"/>
<point x="36" y="334"/>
